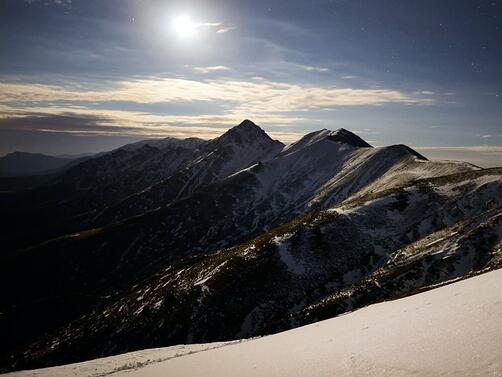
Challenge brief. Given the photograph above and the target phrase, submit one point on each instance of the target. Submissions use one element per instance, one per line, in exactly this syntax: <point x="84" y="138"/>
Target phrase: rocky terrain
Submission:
<point x="454" y="330"/>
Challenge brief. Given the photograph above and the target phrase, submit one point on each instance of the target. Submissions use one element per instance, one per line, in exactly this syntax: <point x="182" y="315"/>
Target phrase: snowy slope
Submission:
<point x="454" y="330"/>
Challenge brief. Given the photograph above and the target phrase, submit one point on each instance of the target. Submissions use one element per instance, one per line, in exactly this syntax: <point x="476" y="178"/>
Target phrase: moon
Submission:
<point x="184" y="26"/>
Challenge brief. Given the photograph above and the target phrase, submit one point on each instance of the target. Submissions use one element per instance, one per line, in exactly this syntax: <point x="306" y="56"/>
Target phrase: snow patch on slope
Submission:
<point x="292" y="262"/>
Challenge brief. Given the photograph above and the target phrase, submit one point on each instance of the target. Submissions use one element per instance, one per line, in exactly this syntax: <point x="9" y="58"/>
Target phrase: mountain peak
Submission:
<point x="247" y="123"/>
<point x="340" y="136"/>
<point x="247" y="127"/>
<point x="246" y="131"/>
<point x="344" y="136"/>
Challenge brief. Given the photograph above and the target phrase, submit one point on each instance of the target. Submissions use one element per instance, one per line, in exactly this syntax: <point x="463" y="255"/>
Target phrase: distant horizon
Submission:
<point x="483" y="156"/>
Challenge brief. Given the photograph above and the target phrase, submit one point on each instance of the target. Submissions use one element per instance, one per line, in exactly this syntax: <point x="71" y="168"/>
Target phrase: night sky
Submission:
<point x="90" y="75"/>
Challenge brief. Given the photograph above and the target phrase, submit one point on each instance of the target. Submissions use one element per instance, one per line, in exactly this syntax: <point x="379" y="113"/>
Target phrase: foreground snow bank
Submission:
<point x="454" y="330"/>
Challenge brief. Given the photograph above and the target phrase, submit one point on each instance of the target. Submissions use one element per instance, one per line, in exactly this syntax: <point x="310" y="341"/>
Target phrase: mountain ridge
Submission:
<point x="310" y="219"/>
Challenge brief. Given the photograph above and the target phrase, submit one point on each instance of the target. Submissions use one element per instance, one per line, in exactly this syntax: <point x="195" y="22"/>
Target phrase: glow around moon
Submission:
<point x="184" y="26"/>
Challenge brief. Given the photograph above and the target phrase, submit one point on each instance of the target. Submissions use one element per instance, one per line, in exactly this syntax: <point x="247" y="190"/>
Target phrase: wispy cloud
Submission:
<point x="366" y="131"/>
<point x="482" y="155"/>
<point x="269" y="96"/>
<point x="209" y="24"/>
<point x="225" y="29"/>
<point x="472" y="148"/>
<point x="82" y="124"/>
<point x="314" y="69"/>
<point x="150" y="123"/>
<point x="272" y="103"/>
<point x="211" y="69"/>
<point x="67" y="4"/>
<point x="218" y="27"/>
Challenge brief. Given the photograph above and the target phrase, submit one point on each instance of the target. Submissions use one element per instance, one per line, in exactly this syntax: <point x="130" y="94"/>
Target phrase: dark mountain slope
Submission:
<point x="63" y="205"/>
<point x="23" y="163"/>
<point x="141" y="176"/>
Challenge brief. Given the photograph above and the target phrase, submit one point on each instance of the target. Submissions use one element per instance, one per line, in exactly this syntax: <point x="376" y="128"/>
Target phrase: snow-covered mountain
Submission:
<point x="215" y="160"/>
<point x="199" y="241"/>
<point x="450" y="331"/>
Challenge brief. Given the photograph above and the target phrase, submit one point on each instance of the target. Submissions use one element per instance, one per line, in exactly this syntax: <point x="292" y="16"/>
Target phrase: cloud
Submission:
<point x="66" y="4"/>
<point x="481" y="155"/>
<point x="366" y="131"/>
<point x="209" y="24"/>
<point x="313" y="69"/>
<point x="35" y="122"/>
<point x="225" y="29"/>
<point x="210" y="69"/>
<point x="474" y="148"/>
<point x="487" y="136"/>
<point x="84" y="125"/>
<point x="219" y="26"/>
<point x="286" y="137"/>
<point x="83" y="107"/>
<point x="135" y="118"/>
<point x="78" y="124"/>
<point x="259" y="95"/>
